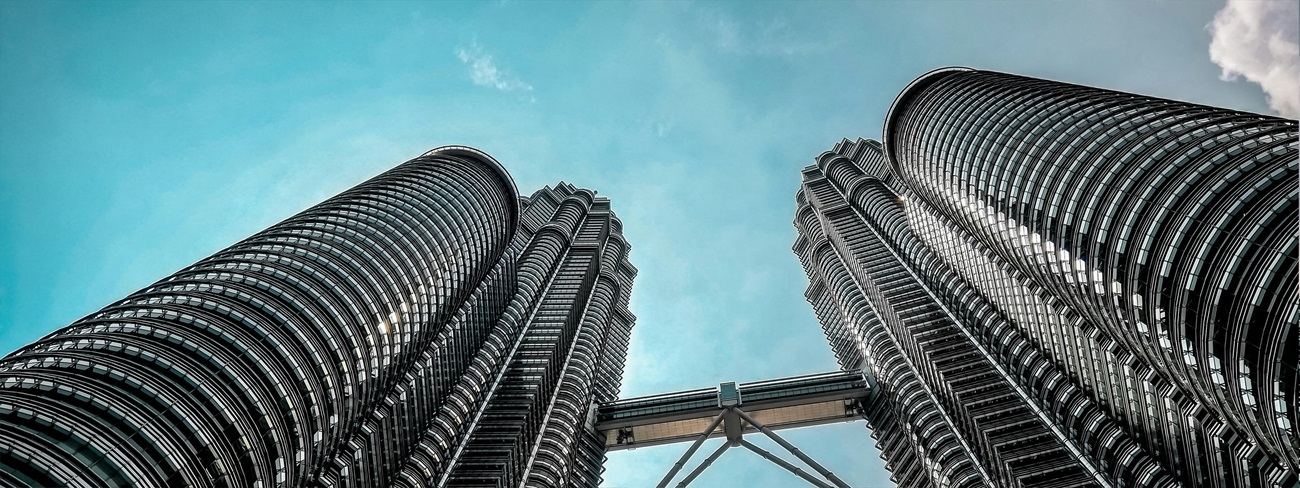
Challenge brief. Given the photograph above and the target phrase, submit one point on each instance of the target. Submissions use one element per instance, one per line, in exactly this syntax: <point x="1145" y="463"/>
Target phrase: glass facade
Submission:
<point x="374" y="339"/>
<point x="1042" y="284"/>
<point x="574" y="285"/>
<point x="1126" y="264"/>
<point x="949" y="408"/>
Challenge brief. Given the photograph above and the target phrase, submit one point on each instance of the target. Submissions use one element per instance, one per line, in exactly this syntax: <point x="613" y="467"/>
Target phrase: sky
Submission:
<point x="137" y="138"/>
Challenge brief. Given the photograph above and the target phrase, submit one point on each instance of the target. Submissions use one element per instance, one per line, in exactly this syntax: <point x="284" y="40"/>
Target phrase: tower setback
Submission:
<point x="380" y="338"/>
<point x="1059" y="285"/>
<point x="1026" y="283"/>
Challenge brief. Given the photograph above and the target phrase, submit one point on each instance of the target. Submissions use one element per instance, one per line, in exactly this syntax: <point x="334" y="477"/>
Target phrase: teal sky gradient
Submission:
<point x="136" y="138"/>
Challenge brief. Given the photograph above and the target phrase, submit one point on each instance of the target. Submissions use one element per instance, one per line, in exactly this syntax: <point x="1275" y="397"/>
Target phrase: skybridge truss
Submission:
<point x="731" y="410"/>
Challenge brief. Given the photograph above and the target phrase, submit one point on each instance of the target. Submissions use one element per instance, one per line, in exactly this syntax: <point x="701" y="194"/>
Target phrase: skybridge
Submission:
<point x="732" y="410"/>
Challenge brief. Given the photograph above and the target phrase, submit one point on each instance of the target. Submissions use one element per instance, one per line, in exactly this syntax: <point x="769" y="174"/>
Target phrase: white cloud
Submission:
<point x="771" y="38"/>
<point x="1257" y="39"/>
<point x="729" y="35"/>
<point x="661" y="128"/>
<point x="484" y="72"/>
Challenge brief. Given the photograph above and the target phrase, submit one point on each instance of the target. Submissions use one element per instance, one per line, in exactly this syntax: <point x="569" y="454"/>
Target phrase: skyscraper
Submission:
<point x="1041" y="284"/>
<point x="1059" y="285"/>
<point x="574" y="285"/>
<point x="425" y="319"/>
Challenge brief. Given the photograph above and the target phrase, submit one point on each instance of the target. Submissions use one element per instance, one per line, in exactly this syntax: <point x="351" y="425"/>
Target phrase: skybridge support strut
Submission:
<point x="731" y="410"/>
<point x="785" y="464"/>
<point x="793" y="450"/>
<point x="691" y="452"/>
<point x="733" y="416"/>
<point x="695" y="473"/>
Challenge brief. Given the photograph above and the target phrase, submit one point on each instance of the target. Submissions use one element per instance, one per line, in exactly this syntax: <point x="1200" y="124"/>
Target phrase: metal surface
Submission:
<point x="733" y="417"/>
<point x="781" y="403"/>
<point x="793" y="450"/>
<point x="695" y="473"/>
<point x="691" y="451"/>
<point x="785" y="464"/>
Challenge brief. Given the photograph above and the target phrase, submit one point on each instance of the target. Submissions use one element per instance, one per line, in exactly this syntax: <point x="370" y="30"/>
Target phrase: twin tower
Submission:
<point x="1026" y="283"/>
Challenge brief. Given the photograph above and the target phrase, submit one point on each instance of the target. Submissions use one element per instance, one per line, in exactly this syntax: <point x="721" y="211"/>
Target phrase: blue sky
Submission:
<point x="136" y="138"/>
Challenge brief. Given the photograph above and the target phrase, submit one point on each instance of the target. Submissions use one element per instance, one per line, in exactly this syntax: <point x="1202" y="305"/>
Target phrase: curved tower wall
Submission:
<point x="259" y="364"/>
<point x="370" y="340"/>
<point x="940" y="351"/>
<point x="1149" y="246"/>
<point x="570" y="346"/>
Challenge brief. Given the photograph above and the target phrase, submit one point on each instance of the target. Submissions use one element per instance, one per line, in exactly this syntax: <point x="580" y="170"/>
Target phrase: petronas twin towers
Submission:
<point x="1026" y="282"/>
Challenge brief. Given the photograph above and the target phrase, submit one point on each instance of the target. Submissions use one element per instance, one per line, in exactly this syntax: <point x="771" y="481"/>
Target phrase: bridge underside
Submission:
<point x="783" y="403"/>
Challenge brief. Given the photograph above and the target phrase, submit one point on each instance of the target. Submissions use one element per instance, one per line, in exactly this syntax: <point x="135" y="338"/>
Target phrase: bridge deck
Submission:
<point x="782" y="403"/>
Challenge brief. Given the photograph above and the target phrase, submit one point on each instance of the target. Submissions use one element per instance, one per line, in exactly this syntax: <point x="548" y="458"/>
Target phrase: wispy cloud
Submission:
<point x="1257" y="40"/>
<point x="484" y="71"/>
<point x="766" y="38"/>
<point x="661" y="128"/>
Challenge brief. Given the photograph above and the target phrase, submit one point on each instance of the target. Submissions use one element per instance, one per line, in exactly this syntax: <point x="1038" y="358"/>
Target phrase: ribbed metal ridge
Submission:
<point x="571" y="343"/>
<point x="487" y="160"/>
<point x="371" y="340"/>
<point x="265" y="362"/>
<point x="904" y="99"/>
<point x="1154" y="242"/>
<point x="952" y="412"/>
